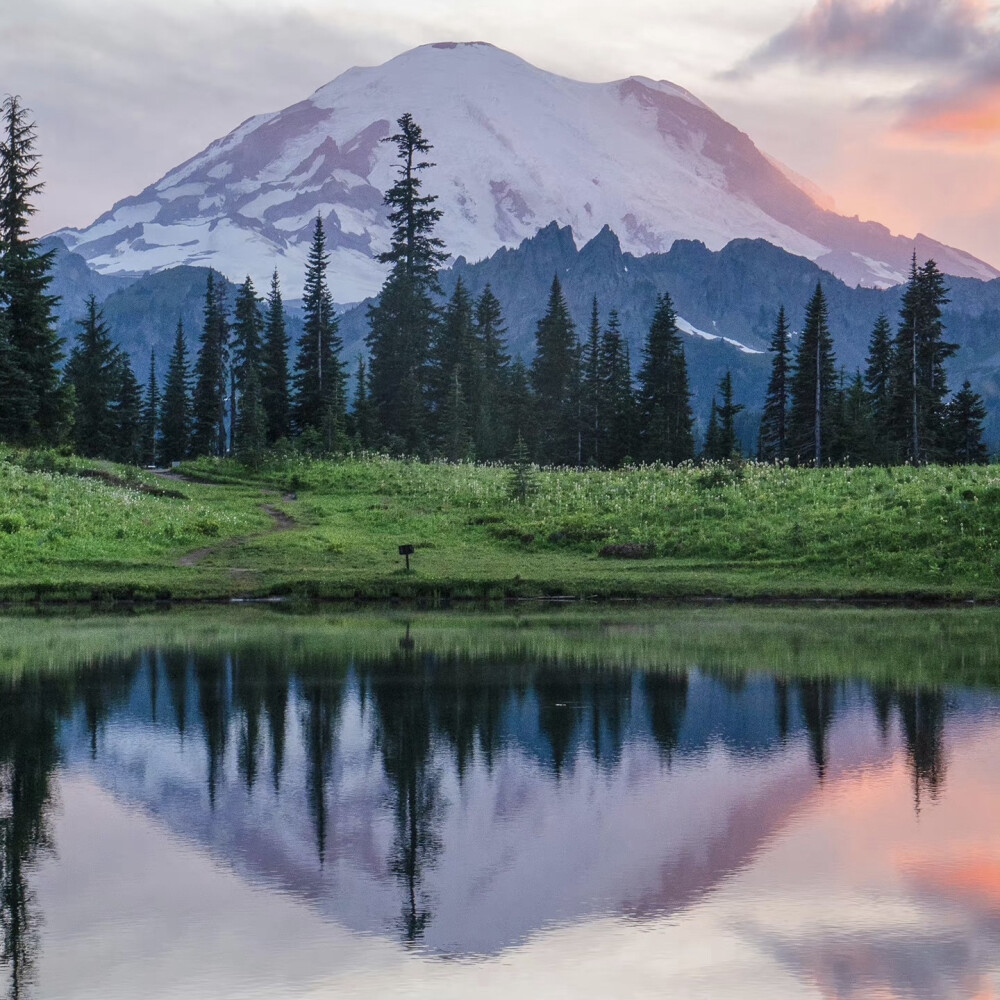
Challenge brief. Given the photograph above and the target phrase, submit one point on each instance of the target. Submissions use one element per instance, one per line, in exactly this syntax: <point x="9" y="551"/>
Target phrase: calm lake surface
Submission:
<point x="693" y="803"/>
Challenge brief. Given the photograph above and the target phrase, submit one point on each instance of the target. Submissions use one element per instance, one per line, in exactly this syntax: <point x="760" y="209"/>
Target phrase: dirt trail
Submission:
<point x="280" y="521"/>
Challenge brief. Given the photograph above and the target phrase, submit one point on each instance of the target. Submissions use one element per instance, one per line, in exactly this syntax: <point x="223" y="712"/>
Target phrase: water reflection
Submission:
<point x="459" y="804"/>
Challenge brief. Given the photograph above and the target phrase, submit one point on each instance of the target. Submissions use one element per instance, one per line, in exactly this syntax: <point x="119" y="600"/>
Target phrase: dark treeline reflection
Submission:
<point x="424" y="711"/>
<point x="32" y="709"/>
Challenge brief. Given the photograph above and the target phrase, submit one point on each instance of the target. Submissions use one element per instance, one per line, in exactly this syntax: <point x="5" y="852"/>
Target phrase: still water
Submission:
<point x="696" y="804"/>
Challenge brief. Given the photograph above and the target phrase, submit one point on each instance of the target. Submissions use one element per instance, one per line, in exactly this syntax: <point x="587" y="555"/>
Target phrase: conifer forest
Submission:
<point x="438" y="381"/>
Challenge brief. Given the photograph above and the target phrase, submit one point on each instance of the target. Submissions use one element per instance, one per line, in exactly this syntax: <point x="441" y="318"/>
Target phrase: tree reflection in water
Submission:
<point x="429" y="714"/>
<point x="32" y="707"/>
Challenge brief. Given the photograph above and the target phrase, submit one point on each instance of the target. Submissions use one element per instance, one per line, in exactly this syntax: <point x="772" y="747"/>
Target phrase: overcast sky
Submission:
<point x="891" y="106"/>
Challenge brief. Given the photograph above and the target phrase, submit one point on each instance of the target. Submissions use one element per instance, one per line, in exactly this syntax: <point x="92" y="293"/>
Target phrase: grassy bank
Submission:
<point x="746" y="532"/>
<point x="921" y="648"/>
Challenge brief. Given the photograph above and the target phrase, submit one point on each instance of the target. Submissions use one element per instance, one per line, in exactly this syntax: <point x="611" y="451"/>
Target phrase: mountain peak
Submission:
<point x="515" y="147"/>
<point x="459" y="45"/>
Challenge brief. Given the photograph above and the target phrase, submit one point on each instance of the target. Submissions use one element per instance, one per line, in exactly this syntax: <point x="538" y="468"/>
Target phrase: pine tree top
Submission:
<point x="413" y="248"/>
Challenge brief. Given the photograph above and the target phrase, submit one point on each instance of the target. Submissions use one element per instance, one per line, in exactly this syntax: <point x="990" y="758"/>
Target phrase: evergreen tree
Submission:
<point x="878" y="381"/>
<point x="919" y="385"/>
<point x="208" y="436"/>
<point x="93" y="372"/>
<point x="728" y="443"/>
<point x="812" y="410"/>
<point x="591" y="390"/>
<point x="963" y="438"/>
<point x="617" y="425"/>
<point x="150" y="416"/>
<point x="855" y="437"/>
<point x="491" y="434"/>
<point x="555" y="376"/>
<point x="667" y="426"/>
<point x="175" y="413"/>
<point x="456" y="440"/>
<point x="274" y="367"/>
<point x="126" y="411"/>
<point x="522" y="474"/>
<point x="713" y="446"/>
<point x="520" y="407"/>
<point x="248" y="329"/>
<point x="320" y="400"/>
<point x="363" y="418"/>
<point x="453" y="353"/>
<point x="15" y="393"/>
<point x="247" y="333"/>
<point x="251" y="431"/>
<point x="773" y="443"/>
<point x="402" y="323"/>
<point x="36" y="410"/>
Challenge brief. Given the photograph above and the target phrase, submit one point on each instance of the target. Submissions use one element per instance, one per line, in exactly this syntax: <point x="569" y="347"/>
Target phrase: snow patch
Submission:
<point x="692" y="331"/>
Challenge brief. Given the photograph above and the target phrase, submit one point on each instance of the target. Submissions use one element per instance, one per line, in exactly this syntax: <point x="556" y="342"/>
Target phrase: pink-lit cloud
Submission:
<point x="953" y="46"/>
<point x="897" y="32"/>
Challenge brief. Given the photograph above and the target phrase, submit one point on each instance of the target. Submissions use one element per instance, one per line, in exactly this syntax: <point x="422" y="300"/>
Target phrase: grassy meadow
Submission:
<point x="742" y="531"/>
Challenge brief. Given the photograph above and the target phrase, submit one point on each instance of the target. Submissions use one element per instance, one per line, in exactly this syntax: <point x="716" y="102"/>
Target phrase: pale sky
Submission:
<point x="891" y="106"/>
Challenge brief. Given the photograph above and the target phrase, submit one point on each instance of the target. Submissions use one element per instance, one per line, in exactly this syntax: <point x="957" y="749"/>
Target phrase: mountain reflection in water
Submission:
<point x="459" y="805"/>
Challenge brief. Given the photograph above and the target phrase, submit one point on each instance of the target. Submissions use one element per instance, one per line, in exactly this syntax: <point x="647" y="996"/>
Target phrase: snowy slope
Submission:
<point x="515" y="148"/>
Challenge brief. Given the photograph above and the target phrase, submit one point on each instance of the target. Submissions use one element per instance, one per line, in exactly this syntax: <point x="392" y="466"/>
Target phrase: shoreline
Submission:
<point x="440" y="602"/>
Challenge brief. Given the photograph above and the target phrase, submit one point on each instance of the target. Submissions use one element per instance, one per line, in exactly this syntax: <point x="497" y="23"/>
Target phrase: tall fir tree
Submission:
<point x="455" y="438"/>
<point x="555" y="378"/>
<point x="881" y="447"/>
<point x="150" y="416"/>
<point x="591" y="390"/>
<point x="773" y="438"/>
<point x="251" y="430"/>
<point x="812" y="405"/>
<point x="713" y="451"/>
<point x="667" y="425"/>
<point x="492" y="437"/>
<point x="963" y="435"/>
<point x="454" y="352"/>
<point x="402" y="322"/>
<point x="175" y="409"/>
<point x="855" y="432"/>
<point x="15" y="393"/>
<point x="93" y="372"/>
<point x="274" y="367"/>
<point x="919" y="383"/>
<point x="728" y="442"/>
<point x="127" y="413"/>
<point x="363" y="417"/>
<point x="618" y="416"/>
<point x="519" y="407"/>
<point x="208" y="435"/>
<point x="35" y="412"/>
<point x="320" y="399"/>
<point x="247" y="352"/>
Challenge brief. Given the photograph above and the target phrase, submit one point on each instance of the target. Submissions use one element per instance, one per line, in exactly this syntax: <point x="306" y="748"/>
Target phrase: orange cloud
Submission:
<point x="975" y="120"/>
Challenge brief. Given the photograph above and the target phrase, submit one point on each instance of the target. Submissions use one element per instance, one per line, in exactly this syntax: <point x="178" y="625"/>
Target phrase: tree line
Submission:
<point x="438" y="379"/>
<point x="896" y="410"/>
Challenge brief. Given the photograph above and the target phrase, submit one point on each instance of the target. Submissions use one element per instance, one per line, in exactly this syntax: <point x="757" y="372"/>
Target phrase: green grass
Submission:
<point x="927" y="647"/>
<point x="746" y="532"/>
<point x="65" y="536"/>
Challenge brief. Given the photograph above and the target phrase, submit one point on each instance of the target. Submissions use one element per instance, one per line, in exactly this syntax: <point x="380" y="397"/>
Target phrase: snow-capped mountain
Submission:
<point x="515" y="148"/>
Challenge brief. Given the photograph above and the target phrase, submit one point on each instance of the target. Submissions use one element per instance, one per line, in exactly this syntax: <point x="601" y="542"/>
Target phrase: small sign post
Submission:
<point x="406" y="550"/>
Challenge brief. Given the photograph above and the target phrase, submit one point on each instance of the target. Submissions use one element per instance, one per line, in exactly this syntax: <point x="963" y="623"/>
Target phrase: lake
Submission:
<point x="692" y="802"/>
